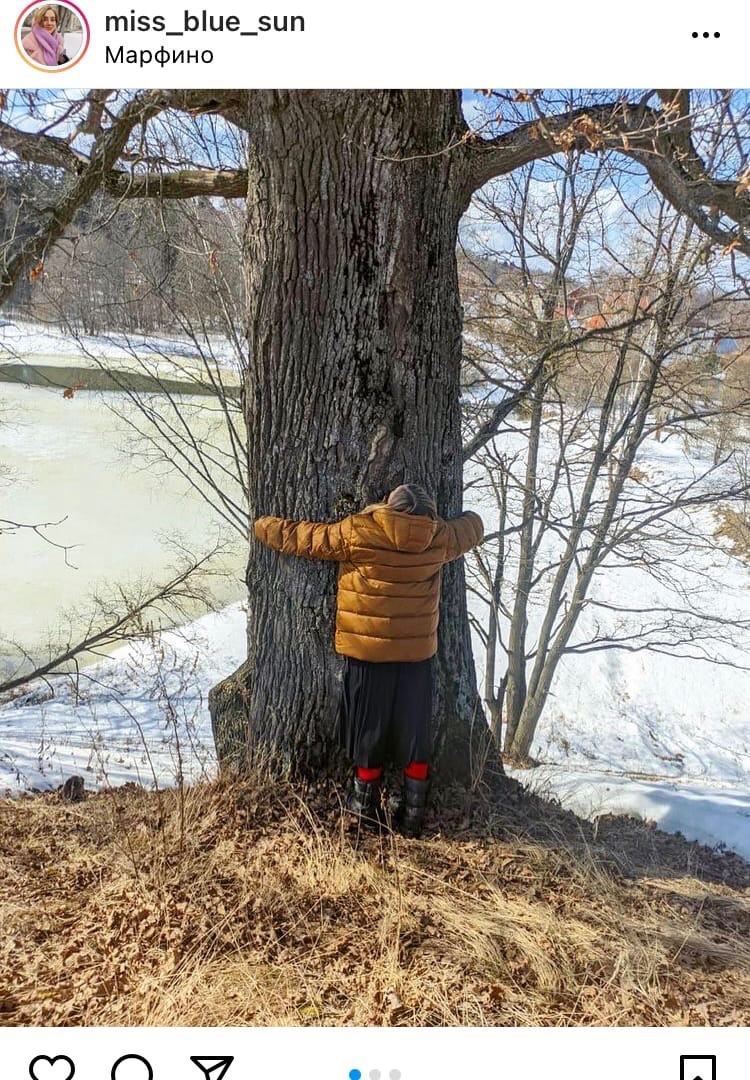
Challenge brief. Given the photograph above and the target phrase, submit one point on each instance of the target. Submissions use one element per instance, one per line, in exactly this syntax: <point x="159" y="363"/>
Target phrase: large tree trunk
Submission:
<point x="354" y="331"/>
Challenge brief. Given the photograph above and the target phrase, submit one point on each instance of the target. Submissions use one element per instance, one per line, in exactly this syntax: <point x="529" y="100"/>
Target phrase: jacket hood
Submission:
<point x="405" y="532"/>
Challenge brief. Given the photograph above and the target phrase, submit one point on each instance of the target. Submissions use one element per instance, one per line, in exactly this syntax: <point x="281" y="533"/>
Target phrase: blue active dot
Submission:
<point x="355" y="1074"/>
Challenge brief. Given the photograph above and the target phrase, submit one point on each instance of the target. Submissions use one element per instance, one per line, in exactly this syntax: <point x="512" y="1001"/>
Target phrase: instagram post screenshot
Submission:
<point x="374" y="542"/>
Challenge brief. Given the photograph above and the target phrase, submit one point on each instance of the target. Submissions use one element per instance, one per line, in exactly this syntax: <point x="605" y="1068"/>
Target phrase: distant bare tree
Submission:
<point x="612" y="359"/>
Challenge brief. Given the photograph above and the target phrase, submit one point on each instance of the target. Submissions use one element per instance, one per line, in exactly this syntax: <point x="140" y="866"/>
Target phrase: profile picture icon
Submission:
<point x="52" y="37"/>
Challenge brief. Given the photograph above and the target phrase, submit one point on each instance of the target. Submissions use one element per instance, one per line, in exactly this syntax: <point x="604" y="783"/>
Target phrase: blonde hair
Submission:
<point x="407" y="499"/>
<point x="373" y="506"/>
<point x="412" y="499"/>
<point x="39" y="14"/>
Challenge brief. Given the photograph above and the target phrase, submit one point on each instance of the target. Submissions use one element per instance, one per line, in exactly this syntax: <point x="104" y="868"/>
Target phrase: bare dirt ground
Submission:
<point x="239" y="904"/>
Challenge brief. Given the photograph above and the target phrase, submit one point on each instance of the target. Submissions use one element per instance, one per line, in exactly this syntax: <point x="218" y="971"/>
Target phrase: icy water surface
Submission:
<point x="64" y="460"/>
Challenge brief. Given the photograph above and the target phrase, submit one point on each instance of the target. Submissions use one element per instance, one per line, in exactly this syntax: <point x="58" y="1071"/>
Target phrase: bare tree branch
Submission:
<point x="41" y="149"/>
<point x="7" y="526"/>
<point x="185" y="184"/>
<point x="182" y="184"/>
<point x="124" y="625"/>
<point x="659" y="140"/>
<point x="98" y="169"/>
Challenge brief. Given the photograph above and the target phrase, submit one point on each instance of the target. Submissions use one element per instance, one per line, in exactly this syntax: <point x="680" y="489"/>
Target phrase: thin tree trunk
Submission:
<point x="354" y="333"/>
<point x="494" y="698"/>
<point x="515" y="687"/>
<point x="550" y="648"/>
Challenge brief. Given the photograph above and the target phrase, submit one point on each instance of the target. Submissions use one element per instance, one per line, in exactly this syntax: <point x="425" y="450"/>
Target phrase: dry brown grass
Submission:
<point x="735" y="528"/>
<point x="272" y="911"/>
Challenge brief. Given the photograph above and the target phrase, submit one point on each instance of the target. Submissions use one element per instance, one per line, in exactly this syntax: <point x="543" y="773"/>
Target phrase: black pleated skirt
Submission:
<point x="386" y="712"/>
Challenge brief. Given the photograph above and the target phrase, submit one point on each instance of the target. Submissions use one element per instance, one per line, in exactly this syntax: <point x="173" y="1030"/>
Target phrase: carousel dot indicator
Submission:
<point x="355" y="1074"/>
<point x="374" y="1074"/>
<point x="394" y="1074"/>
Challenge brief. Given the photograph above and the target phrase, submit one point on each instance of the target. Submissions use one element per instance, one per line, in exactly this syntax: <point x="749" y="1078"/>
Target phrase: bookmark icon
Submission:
<point x="697" y="1066"/>
<point x="213" y="1068"/>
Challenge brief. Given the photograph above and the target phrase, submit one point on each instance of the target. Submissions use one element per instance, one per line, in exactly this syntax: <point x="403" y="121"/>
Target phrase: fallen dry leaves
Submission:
<point x="272" y="910"/>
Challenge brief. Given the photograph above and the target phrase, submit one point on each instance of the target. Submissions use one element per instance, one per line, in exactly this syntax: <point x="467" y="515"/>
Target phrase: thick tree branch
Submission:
<point x="659" y="140"/>
<point x="691" y="197"/>
<point x="98" y="169"/>
<point x="93" y="122"/>
<point x="614" y="125"/>
<point x="185" y="184"/>
<point x="41" y="149"/>
<point x="106" y="151"/>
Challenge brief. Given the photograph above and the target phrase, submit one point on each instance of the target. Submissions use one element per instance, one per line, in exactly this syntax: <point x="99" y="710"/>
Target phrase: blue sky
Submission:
<point x="627" y="184"/>
<point x="625" y="193"/>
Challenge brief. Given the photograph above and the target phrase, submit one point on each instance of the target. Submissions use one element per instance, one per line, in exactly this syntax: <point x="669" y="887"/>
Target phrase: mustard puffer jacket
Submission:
<point x="389" y="578"/>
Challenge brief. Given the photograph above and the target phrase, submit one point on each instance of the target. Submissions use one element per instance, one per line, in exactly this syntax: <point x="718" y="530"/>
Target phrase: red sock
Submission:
<point x="417" y="770"/>
<point x="369" y="774"/>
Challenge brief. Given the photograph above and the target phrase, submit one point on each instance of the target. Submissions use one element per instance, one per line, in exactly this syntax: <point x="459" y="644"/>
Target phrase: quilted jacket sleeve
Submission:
<point x="308" y="539"/>
<point x="463" y="533"/>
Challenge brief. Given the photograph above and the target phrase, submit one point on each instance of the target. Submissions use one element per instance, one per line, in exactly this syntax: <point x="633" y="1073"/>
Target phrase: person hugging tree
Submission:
<point x="387" y="612"/>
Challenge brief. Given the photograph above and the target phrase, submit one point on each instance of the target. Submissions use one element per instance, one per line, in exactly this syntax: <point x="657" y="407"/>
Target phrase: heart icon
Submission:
<point x="52" y="1068"/>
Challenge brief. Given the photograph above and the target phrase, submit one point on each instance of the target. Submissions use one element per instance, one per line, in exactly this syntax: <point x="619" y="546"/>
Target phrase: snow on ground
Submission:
<point x="42" y="344"/>
<point x="709" y="813"/>
<point x="663" y="737"/>
<point x="141" y="715"/>
<point x="666" y="738"/>
<point x="122" y="729"/>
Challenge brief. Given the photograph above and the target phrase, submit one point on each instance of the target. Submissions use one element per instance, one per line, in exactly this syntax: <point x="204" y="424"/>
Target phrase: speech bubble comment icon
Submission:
<point x="132" y="1067"/>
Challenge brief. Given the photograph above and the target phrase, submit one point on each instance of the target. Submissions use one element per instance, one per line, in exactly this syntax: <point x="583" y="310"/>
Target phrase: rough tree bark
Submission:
<point x="354" y="338"/>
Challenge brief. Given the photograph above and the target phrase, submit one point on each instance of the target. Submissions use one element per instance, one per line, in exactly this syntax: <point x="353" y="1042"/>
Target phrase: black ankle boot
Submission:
<point x="365" y="802"/>
<point x="413" y="807"/>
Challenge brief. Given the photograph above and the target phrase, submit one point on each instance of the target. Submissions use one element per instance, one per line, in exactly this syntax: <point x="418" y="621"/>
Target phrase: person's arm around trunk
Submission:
<point x="463" y="533"/>
<point x="307" y="539"/>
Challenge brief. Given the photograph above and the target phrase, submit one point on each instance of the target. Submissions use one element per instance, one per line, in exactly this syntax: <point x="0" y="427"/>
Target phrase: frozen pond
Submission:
<point x="67" y="459"/>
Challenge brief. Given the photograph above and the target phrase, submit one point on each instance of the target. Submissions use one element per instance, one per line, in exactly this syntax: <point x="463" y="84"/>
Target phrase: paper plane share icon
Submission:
<point x="213" y="1068"/>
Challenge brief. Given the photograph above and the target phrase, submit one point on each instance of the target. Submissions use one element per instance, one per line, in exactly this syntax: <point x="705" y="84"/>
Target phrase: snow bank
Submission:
<point x="711" y="814"/>
<point x="141" y="715"/>
<point x="40" y="343"/>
